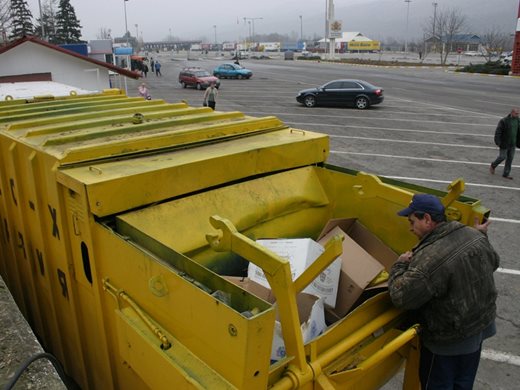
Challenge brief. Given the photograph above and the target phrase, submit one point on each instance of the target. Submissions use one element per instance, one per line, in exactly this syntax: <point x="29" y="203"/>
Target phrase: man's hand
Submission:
<point x="481" y="227"/>
<point x="405" y="257"/>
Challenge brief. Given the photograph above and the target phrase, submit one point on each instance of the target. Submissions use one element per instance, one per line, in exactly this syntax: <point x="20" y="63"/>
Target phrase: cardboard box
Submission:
<point x="364" y="257"/>
<point x="310" y="310"/>
<point x="301" y="253"/>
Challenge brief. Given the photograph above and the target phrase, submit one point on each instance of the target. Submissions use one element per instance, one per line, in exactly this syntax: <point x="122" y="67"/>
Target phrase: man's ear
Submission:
<point x="428" y="218"/>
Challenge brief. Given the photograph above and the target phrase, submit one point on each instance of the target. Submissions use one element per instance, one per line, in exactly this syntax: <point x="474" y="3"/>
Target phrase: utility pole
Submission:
<point x="41" y="19"/>
<point x="126" y="24"/>
<point x="434" y="22"/>
<point x="301" y="28"/>
<point x="251" y="22"/>
<point x="407" y="15"/>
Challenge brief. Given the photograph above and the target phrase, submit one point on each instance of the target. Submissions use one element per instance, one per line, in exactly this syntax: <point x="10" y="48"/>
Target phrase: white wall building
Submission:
<point x="32" y="59"/>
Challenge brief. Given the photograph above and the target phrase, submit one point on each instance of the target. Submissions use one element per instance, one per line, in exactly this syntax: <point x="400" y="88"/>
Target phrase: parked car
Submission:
<point x="309" y="56"/>
<point x="356" y="93"/>
<point x="233" y="71"/>
<point x="197" y="77"/>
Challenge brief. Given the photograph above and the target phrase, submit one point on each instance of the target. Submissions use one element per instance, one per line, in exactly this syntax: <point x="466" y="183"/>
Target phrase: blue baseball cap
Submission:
<point x="425" y="203"/>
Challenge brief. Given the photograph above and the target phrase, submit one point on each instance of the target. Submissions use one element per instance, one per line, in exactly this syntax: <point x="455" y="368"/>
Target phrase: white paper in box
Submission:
<point x="310" y="311"/>
<point x="312" y="317"/>
<point x="301" y="253"/>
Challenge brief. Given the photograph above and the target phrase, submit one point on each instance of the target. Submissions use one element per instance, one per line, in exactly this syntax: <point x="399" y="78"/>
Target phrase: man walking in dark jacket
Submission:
<point x="507" y="138"/>
<point x="447" y="281"/>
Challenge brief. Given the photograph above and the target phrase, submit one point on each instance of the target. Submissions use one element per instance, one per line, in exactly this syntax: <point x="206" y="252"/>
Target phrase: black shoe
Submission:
<point x="491" y="169"/>
<point x="507" y="177"/>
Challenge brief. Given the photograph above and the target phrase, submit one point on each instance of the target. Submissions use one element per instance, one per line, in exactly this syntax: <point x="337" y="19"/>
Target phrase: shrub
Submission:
<point x="491" y="67"/>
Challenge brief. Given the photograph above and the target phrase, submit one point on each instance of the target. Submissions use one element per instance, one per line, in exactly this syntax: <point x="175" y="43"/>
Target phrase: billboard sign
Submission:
<point x="364" y="45"/>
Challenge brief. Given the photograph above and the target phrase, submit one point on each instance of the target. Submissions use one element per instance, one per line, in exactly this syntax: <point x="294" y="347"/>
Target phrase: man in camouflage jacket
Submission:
<point x="447" y="280"/>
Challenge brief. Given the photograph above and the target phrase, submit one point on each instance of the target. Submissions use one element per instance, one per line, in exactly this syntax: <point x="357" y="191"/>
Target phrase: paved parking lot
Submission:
<point x="433" y="127"/>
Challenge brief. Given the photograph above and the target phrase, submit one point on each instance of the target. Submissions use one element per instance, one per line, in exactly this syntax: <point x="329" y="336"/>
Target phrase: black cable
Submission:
<point x="43" y="355"/>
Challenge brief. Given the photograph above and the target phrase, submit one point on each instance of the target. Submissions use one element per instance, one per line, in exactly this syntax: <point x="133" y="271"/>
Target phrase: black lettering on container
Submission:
<point x="55" y="230"/>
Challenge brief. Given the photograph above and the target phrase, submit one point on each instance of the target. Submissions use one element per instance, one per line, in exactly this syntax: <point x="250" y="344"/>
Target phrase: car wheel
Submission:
<point x="309" y="101"/>
<point x="198" y="86"/>
<point x="362" y="103"/>
<point x="183" y="84"/>
<point x="239" y="77"/>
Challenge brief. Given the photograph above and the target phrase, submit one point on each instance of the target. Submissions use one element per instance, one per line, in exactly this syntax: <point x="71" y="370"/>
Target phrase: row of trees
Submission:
<point x="447" y="25"/>
<point x="61" y="26"/>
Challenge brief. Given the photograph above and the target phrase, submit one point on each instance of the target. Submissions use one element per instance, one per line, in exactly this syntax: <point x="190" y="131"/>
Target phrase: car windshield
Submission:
<point x="238" y="66"/>
<point x="202" y="73"/>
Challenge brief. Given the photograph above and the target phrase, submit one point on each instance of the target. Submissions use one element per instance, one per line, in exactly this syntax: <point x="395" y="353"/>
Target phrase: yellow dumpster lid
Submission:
<point x="84" y="128"/>
<point x="109" y="143"/>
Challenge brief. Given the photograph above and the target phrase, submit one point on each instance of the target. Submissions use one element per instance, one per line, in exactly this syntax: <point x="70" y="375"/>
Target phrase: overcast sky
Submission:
<point x="377" y="19"/>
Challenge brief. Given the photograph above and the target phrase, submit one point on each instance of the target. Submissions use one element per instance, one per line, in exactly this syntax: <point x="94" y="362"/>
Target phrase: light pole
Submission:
<point x="252" y="22"/>
<point x="407" y="15"/>
<point x="126" y="23"/>
<point x="41" y="18"/>
<point x="136" y="31"/>
<point x="434" y="23"/>
<point x="301" y="28"/>
<point x="215" y="28"/>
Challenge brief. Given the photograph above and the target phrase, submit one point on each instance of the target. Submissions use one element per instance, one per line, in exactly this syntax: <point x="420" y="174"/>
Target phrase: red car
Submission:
<point x="197" y="77"/>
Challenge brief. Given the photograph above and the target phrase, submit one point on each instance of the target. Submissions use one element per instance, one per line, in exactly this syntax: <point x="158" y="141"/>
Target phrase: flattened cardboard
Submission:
<point x="365" y="238"/>
<point x="359" y="264"/>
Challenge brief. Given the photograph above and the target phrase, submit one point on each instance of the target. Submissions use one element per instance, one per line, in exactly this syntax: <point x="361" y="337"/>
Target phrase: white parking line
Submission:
<point x="449" y="108"/>
<point x="392" y="129"/>
<point x="449" y="182"/>
<point x="400" y="119"/>
<point x="508" y="271"/>
<point x="501" y="357"/>
<point x="415" y="158"/>
<point x="413" y="142"/>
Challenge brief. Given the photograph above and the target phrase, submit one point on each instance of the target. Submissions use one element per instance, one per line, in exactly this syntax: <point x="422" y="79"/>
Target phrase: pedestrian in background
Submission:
<point x="447" y="281"/>
<point x="145" y="69"/>
<point x="158" y="68"/>
<point x="507" y="138"/>
<point x="210" y="96"/>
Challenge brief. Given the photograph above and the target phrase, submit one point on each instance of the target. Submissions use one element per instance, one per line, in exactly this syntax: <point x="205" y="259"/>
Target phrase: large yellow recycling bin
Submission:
<point x="120" y="217"/>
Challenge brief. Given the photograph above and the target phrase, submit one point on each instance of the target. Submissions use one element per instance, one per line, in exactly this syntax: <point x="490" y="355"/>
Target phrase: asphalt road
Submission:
<point x="433" y="127"/>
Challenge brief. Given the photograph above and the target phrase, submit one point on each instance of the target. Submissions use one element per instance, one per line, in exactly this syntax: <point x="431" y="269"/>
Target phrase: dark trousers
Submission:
<point x="439" y="372"/>
<point x="505" y="154"/>
<point x="212" y="103"/>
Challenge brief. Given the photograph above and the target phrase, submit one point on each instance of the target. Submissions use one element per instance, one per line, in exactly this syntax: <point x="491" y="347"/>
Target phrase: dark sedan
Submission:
<point x="354" y="93"/>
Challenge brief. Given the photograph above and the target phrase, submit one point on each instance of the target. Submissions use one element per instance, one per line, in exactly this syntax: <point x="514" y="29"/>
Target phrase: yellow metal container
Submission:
<point x="120" y="217"/>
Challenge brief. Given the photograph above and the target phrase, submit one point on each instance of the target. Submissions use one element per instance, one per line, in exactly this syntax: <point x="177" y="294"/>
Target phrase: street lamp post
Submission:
<point x="301" y="28"/>
<point x="434" y="23"/>
<point x="41" y="18"/>
<point x="252" y="22"/>
<point x="407" y="15"/>
<point x="126" y="23"/>
<point x="215" y="28"/>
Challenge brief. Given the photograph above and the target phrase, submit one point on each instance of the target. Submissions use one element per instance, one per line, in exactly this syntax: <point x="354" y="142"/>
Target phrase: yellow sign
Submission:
<point x="364" y="45"/>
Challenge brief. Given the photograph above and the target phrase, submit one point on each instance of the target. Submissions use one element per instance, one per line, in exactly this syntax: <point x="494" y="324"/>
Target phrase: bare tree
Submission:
<point x="104" y="33"/>
<point x="4" y="18"/>
<point x="494" y="41"/>
<point x="443" y="29"/>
